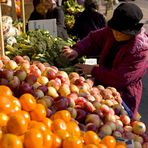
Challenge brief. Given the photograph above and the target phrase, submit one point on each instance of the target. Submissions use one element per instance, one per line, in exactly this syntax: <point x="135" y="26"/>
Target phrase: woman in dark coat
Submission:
<point x="122" y="48"/>
<point x="50" y="10"/>
<point x="89" y="20"/>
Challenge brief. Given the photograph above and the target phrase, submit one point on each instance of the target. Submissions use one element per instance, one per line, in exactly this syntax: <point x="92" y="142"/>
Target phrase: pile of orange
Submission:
<point x="23" y="124"/>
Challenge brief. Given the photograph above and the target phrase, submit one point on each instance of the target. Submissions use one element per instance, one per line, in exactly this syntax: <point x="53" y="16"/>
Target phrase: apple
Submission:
<point x="91" y="83"/>
<point x="71" y="102"/>
<point x="128" y="128"/>
<point x="18" y="59"/>
<point x="49" y="100"/>
<point x="81" y="115"/>
<point x="52" y="92"/>
<point x="72" y="111"/>
<point x="60" y="104"/>
<point x="79" y="82"/>
<point x="21" y="74"/>
<point x="138" y="138"/>
<point x="91" y="127"/>
<point x="74" y="88"/>
<point x="54" y="83"/>
<point x="7" y="74"/>
<point x="125" y="119"/>
<point x="48" y="113"/>
<point x="31" y="79"/>
<point x="88" y="106"/>
<point x="11" y="65"/>
<point x="137" y="144"/>
<point x="100" y="87"/>
<point x="112" y="125"/>
<point x="25" y="88"/>
<point x="14" y="83"/>
<point x="106" y="130"/>
<point x="139" y="127"/>
<point x="73" y="75"/>
<point x="42" y="80"/>
<point x="51" y="74"/>
<point x="3" y="81"/>
<point x="104" y="108"/>
<point x="117" y="134"/>
<point x="41" y="66"/>
<point x="90" y="98"/>
<point x="93" y="118"/>
<point x="43" y="88"/>
<point x="73" y="96"/>
<point x="25" y="67"/>
<point x="64" y="90"/>
<point x="37" y="93"/>
<point x="35" y="70"/>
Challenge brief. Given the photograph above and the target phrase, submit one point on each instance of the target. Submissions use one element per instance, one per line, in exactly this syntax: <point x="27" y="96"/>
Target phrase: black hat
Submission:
<point x="126" y="18"/>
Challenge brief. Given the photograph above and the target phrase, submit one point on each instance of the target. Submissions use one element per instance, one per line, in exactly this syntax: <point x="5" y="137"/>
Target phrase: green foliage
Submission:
<point x="40" y="45"/>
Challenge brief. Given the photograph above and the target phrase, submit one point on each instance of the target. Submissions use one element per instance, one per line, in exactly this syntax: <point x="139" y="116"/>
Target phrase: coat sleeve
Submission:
<point x="89" y="45"/>
<point x="131" y="69"/>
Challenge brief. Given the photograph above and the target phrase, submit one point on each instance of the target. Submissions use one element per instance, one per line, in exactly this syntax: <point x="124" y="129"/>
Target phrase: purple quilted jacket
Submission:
<point x="129" y="65"/>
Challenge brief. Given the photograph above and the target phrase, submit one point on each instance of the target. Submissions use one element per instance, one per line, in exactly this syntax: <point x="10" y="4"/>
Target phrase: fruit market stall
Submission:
<point x="45" y="103"/>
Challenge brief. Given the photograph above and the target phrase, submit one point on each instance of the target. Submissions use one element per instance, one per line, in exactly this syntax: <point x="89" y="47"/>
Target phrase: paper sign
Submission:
<point x="91" y="61"/>
<point x="47" y="24"/>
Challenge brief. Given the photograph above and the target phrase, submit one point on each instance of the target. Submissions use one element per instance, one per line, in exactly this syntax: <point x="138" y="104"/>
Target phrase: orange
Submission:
<point x="47" y="139"/>
<point x="33" y="138"/>
<point x="63" y="114"/>
<point x="58" y="124"/>
<point x="5" y="91"/>
<point x="72" y="142"/>
<point x="28" y="102"/>
<point x="62" y="134"/>
<point x="1" y="133"/>
<point x="73" y="129"/>
<point x="90" y="146"/>
<point x="5" y="104"/>
<point x="57" y="141"/>
<point x="39" y="113"/>
<point x="120" y="145"/>
<point x="91" y="137"/>
<point x="26" y="115"/>
<point x="17" y="124"/>
<point x="15" y="101"/>
<point x="37" y="125"/>
<point x="100" y="145"/>
<point x="3" y="119"/>
<point x="47" y="122"/>
<point x="109" y="141"/>
<point x="11" y="141"/>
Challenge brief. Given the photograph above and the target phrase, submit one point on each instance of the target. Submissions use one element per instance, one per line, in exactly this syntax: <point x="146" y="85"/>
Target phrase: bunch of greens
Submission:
<point x="40" y="45"/>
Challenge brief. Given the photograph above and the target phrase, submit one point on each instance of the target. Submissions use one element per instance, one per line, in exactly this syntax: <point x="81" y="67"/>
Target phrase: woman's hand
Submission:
<point x="87" y="69"/>
<point x="69" y="53"/>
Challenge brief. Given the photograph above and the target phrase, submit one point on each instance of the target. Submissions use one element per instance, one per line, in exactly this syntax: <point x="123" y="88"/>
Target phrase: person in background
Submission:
<point x="50" y="9"/>
<point x="88" y="20"/>
<point x="122" y="48"/>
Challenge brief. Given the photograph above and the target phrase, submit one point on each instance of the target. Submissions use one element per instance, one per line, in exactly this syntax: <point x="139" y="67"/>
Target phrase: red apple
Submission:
<point x="31" y="79"/>
<point x="50" y="74"/>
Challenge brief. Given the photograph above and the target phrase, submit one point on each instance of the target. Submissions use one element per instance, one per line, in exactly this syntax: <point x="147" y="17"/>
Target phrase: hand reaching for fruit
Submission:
<point x="69" y="53"/>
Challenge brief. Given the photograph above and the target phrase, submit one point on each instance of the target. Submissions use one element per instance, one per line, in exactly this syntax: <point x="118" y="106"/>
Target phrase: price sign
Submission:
<point x="47" y="24"/>
<point x="91" y="61"/>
